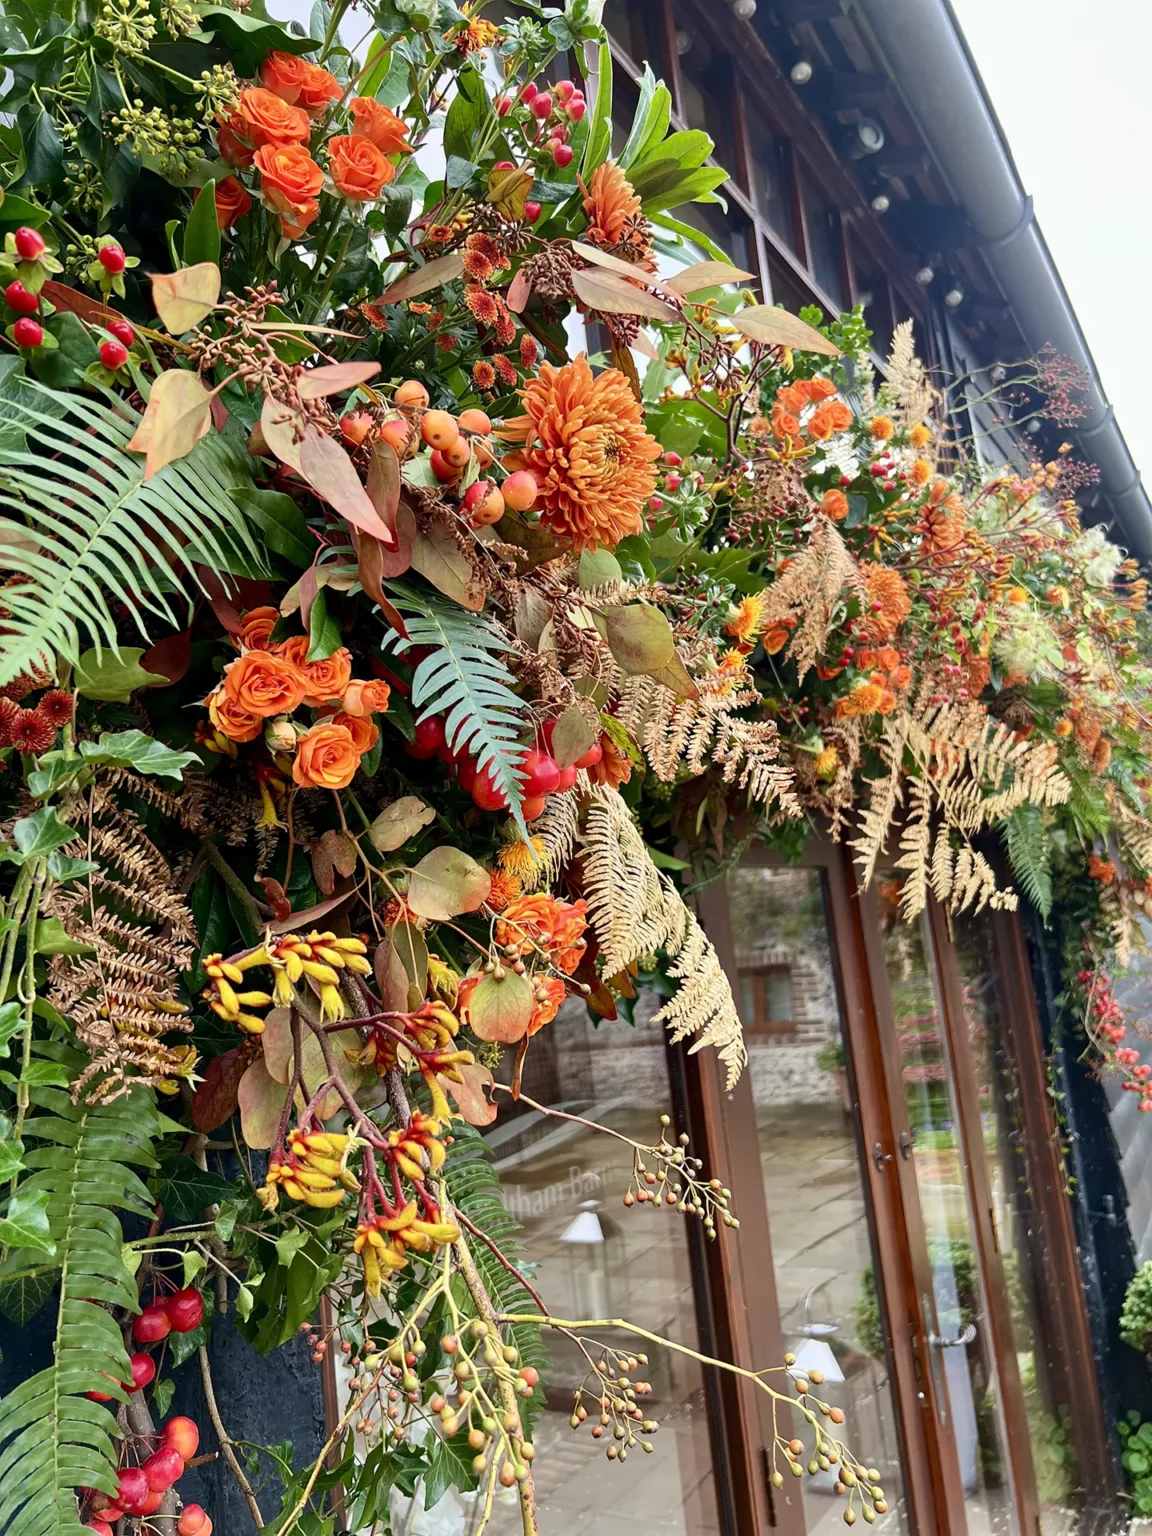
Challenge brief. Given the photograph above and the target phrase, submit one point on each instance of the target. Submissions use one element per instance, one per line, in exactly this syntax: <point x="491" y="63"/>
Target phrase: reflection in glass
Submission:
<point x="1019" y="1232"/>
<point x="965" y="1381"/>
<point x="825" y="1279"/>
<point x="825" y="252"/>
<point x="564" y="1183"/>
<point x="771" y="178"/>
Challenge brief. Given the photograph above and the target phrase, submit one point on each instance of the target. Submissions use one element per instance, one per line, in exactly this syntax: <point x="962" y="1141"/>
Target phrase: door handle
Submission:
<point x="964" y="1337"/>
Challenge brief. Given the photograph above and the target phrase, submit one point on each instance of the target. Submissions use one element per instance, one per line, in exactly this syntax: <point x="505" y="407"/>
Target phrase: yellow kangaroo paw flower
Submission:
<point x="323" y="1199"/>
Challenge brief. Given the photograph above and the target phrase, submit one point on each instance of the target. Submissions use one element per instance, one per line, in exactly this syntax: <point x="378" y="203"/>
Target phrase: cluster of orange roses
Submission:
<point x="271" y="128"/>
<point x="788" y="424"/>
<point x="541" y="927"/>
<point x="267" y="683"/>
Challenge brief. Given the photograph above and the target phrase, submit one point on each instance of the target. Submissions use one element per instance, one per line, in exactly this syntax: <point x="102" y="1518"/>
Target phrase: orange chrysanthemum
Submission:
<point x="746" y="619"/>
<point x="506" y="370"/>
<point x="888" y="601"/>
<point x="585" y="444"/>
<point x="483" y="374"/>
<point x="613" y="209"/>
<point x="865" y="699"/>
<point x="504" y="888"/>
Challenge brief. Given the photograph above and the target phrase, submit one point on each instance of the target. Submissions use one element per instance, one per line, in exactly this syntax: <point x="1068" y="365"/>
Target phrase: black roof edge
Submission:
<point x="921" y="45"/>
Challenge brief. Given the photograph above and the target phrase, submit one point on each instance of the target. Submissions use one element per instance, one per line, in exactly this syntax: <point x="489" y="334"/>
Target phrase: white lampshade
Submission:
<point x="815" y="1355"/>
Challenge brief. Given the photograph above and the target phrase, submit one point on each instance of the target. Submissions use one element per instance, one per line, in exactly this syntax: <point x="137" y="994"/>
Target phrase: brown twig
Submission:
<point x="226" y="1442"/>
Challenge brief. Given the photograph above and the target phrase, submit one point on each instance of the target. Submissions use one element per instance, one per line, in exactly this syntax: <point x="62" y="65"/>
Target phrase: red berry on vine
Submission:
<point x="143" y="1371"/>
<point x="133" y="1490"/>
<point x="185" y="1310"/>
<point x="486" y="794"/>
<point x="567" y="778"/>
<point x="542" y="774"/>
<point x="111" y="257"/>
<point x="532" y="806"/>
<point x="194" y="1522"/>
<point x="429" y="733"/>
<point x="113" y="354"/>
<point x="576" y="110"/>
<point x="163" y="1468"/>
<point x="542" y="105"/>
<point x="17" y="297"/>
<point x="531" y="212"/>
<point x="30" y="243"/>
<point x="183" y="1436"/>
<point x="122" y="331"/>
<point x="503" y="105"/>
<point x="27" y="333"/>
<point x="152" y="1325"/>
<point x="562" y="155"/>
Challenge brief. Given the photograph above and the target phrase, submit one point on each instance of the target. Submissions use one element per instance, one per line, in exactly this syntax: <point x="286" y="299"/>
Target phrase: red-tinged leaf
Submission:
<point x="508" y="190"/>
<point x="178" y="415"/>
<point x="277" y="898"/>
<point x="334" y="854"/>
<point x="704" y="274"/>
<point x="73" y="302"/>
<point x="519" y="292"/>
<point x="310" y="915"/>
<point x="375" y="561"/>
<point x="642" y="343"/>
<point x="401" y="966"/>
<point x="610" y="263"/>
<point x="440" y="560"/>
<point x="219" y="413"/>
<point x="445" y="269"/>
<point x="282" y="427"/>
<point x="261" y="1100"/>
<point x="500" y="1009"/>
<point x="169" y="657"/>
<point x="534" y="544"/>
<point x="332" y="475"/>
<point x="447" y="882"/>
<point x="216" y="1097"/>
<point x="222" y="599"/>
<point x="384" y="482"/>
<point x="184" y="298"/>
<point x="333" y="379"/>
<point x="773" y="327"/>
<point x="471" y="1095"/>
<point x="640" y="639"/>
<point x="307" y="588"/>
<point x="572" y="737"/>
<point x="611" y="294"/>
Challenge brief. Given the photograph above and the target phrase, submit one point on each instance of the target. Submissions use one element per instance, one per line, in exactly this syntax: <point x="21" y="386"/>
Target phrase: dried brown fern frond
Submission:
<point x="636" y="910"/>
<point x="122" y="993"/>
<point x="809" y="592"/>
<point x="961" y="772"/>
<point x="906" y="393"/>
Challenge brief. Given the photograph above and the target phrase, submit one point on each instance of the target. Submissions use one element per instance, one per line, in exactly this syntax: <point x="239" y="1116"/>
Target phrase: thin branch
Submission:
<point x="226" y="1441"/>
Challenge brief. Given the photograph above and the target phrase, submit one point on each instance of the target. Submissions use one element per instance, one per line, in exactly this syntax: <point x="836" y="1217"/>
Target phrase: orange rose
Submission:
<point x="290" y="180"/>
<point x="232" y="201"/>
<point x="887" y="657"/>
<point x="790" y="398"/>
<point x="230" y="142"/>
<point x="363" y="733"/>
<point x="266" y="119"/>
<point x="255" y="627"/>
<point x="820" y="426"/>
<point x="900" y="677"/>
<point x="834" y="504"/>
<point x="326" y="680"/>
<point x="818" y="389"/>
<point x="358" y="168"/>
<point x="326" y="757"/>
<point x="262" y="684"/>
<point x="363" y="699"/>
<point x="230" y="719"/>
<point x="318" y="89"/>
<point x="372" y="120"/>
<point x="775" y="638"/>
<point x="784" y="424"/>
<point x="299" y="83"/>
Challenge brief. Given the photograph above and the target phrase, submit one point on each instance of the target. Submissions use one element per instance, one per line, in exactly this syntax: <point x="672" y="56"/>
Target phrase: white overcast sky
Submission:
<point x="1070" y="82"/>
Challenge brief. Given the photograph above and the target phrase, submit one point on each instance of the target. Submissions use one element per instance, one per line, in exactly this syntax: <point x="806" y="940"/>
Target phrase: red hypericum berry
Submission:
<point x="576" y="110"/>
<point x="531" y="212"/>
<point x="593" y="755"/>
<point x="30" y="244"/>
<point x="133" y="1489"/>
<point x="152" y="1325"/>
<point x="527" y="92"/>
<point x="655" y="503"/>
<point x="672" y="482"/>
<point x="541" y="774"/>
<point x="503" y="105"/>
<point x="111" y="257"/>
<point x="163" y="1468"/>
<point x="567" y="778"/>
<point x="562" y="155"/>
<point x="183" y="1435"/>
<point x="185" y="1310"/>
<point x="27" y="333"/>
<point x="122" y="331"/>
<point x="17" y="297"/>
<point x="113" y="354"/>
<point x="503" y="165"/>
<point x="564" y="90"/>
<point x="143" y="1371"/>
<point x="542" y="105"/>
<point x="486" y="795"/>
<point x="673" y="460"/>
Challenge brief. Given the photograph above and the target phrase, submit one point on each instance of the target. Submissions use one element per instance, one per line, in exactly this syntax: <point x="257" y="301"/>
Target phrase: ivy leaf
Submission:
<point x="446" y="883"/>
<point x="26" y="1224"/>
<point x="249" y="38"/>
<point x="135" y="749"/>
<point x="184" y="298"/>
<point x="52" y="938"/>
<point x="162" y="1394"/>
<point x="114" y="676"/>
<point x="11" y="1017"/>
<point x="41" y="832"/>
<point x="63" y="867"/>
<point x="185" y="1189"/>
<point x="289" y="1244"/>
<point x="21" y="1299"/>
<point x="11" y="1159"/>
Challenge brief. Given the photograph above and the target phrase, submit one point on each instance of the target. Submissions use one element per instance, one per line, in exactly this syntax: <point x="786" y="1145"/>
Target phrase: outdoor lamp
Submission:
<point x="801" y="72"/>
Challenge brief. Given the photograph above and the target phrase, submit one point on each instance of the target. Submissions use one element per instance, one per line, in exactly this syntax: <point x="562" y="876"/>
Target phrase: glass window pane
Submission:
<point x="822" y="1256"/>
<point x="824" y="243"/>
<point x="771" y="178"/>
<point x="564" y="1183"/>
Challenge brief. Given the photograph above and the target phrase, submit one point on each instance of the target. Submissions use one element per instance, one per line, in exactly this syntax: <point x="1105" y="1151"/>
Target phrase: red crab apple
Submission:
<point x="542" y="773"/>
<point x="520" y="490"/>
<point x="194" y="1521"/>
<point x="143" y="1371"/>
<point x="101" y="1527"/>
<point x="133" y="1489"/>
<point x="593" y="755"/>
<point x="182" y="1435"/>
<point x="163" y="1467"/>
<point x="152" y="1325"/>
<point x="185" y="1310"/>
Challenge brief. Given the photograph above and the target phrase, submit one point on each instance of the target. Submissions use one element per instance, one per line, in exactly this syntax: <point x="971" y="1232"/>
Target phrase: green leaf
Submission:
<point x="22" y="1298"/>
<point x="650" y="120"/>
<point x="43" y="146"/>
<point x="41" y="832"/>
<point x="280" y="521"/>
<point x="202" y="231"/>
<point x="185" y="1189"/>
<point x="97" y="539"/>
<point x="289" y="1244"/>
<point x="599" y="145"/>
<point x="500" y="1008"/>
<point x="41" y="1074"/>
<point x="244" y="1302"/>
<point x="323" y="630"/>
<point x="449" y="1466"/>
<point x="470" y="112"/>
<point x="446" y="883"/>
<point x="162" y="1394"/>
<point x="248" y="39"/>
<point x="53" y="770"/>
<point x="11" y="1159"/>
<point x="62" y="867"/>
<point x="465" y="679"/>
<point x="114" y="676"/>
<point x="52" y="938"/>
<point x="135" y="749"/>
<point x="25" y="1225"/>
<point x="598" y="568"/>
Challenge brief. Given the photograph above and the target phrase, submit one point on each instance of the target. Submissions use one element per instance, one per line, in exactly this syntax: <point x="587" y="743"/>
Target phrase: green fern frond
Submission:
<point x="54" y="1439"/>
<point x="84" y="532"/>
<point x="464" y="679"/>
<point x="1030" y="854"/>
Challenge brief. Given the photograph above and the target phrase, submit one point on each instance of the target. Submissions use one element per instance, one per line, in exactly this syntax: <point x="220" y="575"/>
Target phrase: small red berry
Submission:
<point x="17" y="297"/>
<point x="113" y="354"/>
<point x="564" y="90"/>
<point x="672" y="482"/>
<point x="531" y="212"/>
<point x="562" y="155"/>
<point x="503" y="105"/>
<point x="152" y="1325"/>
<point x="593" y="755"/>
<point x="29" y="244"/>
<point x="576" y="110"/>
<point x="163" y="1468"/>
<point x="143" y="1371"/>
<point x="111" y="257"/>
<point x="529" y="1374"/>
<point x="503" y="165"/>
<point x="122" y="331"/>
<point x="27" y="333"/>
<point x="133" y="1489"/>
<point x="527" y="92"/>
<point x="101" y="1527"/>
<point x="486" y="795"/>
<point x="430" y="733"/>
<point x="673" y="460"/>
<point x="185" y="1310"/>
<point x="567" y="778"/>
<point x="542" y="105"/>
